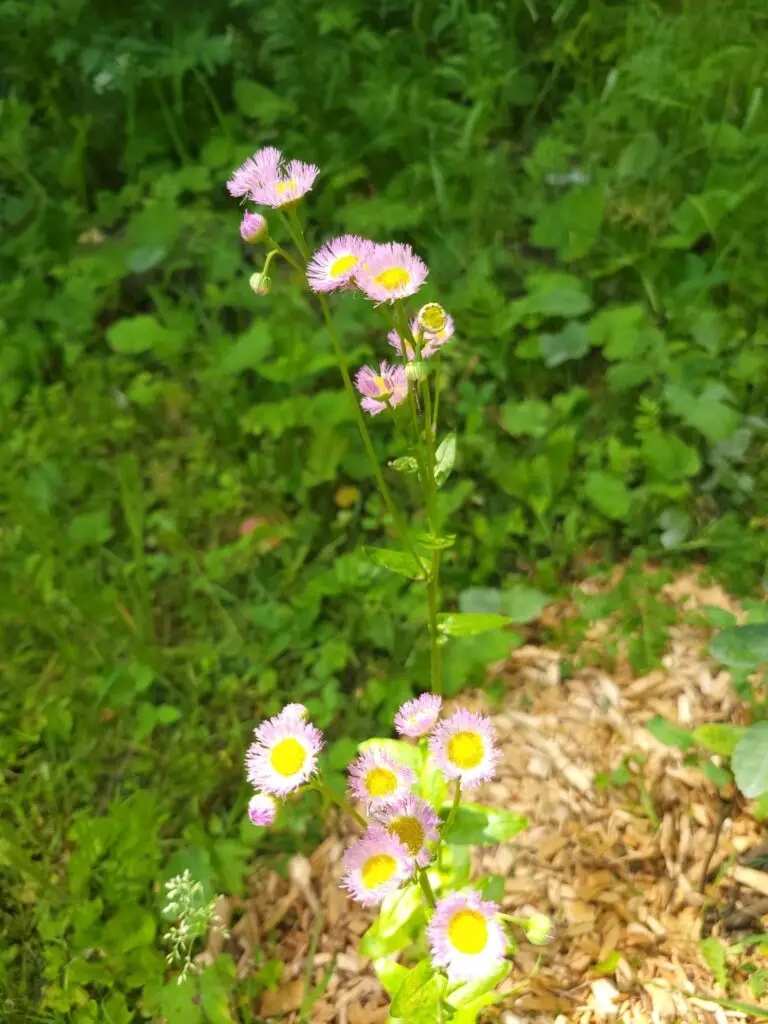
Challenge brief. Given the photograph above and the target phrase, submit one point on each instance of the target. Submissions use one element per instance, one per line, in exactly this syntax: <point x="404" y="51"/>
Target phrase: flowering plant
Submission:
<point x="407" y="796"/>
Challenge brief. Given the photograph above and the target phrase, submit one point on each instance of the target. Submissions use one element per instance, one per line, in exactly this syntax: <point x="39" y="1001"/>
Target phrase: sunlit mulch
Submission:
<point x="626" y="892"/>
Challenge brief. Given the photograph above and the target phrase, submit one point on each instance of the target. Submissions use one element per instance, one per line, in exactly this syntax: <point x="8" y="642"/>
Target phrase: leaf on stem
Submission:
<point x="445" y="456"/>
<point x="401" y="562"/>
<point x="470" y="623"/>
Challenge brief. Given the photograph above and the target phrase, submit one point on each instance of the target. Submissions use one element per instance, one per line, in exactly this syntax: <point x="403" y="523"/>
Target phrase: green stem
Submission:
<point x="433" y="592"/>
<point x="426" y="888"/>
<point x="325" y="789"/>
<point x="454" y="808"/>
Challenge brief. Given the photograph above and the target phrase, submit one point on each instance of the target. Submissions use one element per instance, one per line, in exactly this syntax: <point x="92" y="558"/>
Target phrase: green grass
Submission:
<point x="586" y="181"/>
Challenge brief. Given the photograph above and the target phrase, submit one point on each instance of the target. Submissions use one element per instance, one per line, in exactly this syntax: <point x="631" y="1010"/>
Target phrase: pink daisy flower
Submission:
<point x="376" y="865"/>
<point x="378" y="780"/>
<point x="253" y="227"/>
<point x="392" y="271"/>
<point x="417" y="717"/>
<point x="290" y="182"/>
<point x="335" y="263"/>
<point x="429" y="341"/>
<point x="466" y="937"/>
<point x="284" y="755"/>
<point x="463" y="747"/>
<point x="387" y="388"/>
<point x="262" y="166"/>
<point x="415" y="823"/>
<point x="262" y="810"/>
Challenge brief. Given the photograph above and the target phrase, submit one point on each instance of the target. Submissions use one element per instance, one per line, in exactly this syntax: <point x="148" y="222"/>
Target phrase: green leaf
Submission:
<point x="405" y="753"/>
<point x="401" y="562"/>
<point x="419" y="994"/>
<point x="257" y="101"/>
<point x="529" y="418"/>
<point x="483" y="600"/>
<point x="608" y="494"/>
<point x="405" y="464"/>
<point x="401" y="914"/>
<point x="521" y="603"/>
<point x="390" y="973"/>
<point x="750" y="761"/>
<point x="249" y="350"/>
<point x="216" y="983"/>
<point x="670" y="457"/>
<point x="556" y="295"/>
<point x="714" y="954"/>
<point x="179" y="1003"/>
<point x="432" y="543"/>
<point x="131" y="926"/>
<point x="571" y="343"/>
<point x="669" y="734"/>
<point x="741" y="646"/>
<point x="719" y="737"/>
<point x="445" y="457"/>
<point x="571" y="224"/>
<point x="136" y="334"/>
<point x="471" y="997"/>
<point x="470" y="623"/>
<point x="483" y="826"/>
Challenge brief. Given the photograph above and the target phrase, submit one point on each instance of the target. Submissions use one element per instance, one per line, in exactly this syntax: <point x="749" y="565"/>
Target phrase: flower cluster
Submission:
<point x="403" y="831"/>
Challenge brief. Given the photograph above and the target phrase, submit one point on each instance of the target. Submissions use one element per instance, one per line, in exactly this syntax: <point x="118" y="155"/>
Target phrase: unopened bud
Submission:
<point x="253" y="227"/>
<point x="538" y="929"/>
<point x="262" y="810"/>
<point x="432" y="318"/>
<point x="416" y="370"/>
<point x="260" y="283"/>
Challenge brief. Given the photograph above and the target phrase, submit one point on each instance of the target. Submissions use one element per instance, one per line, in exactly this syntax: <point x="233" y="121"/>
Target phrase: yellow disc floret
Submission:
<point x="380" y="782"/>
<point x="409" y="831"/>
<point x="342" y="265"/>
<point x="392" y="278"/>
<point x="288" y="757"/>
<point x="377" y="870"/>
<point x="466" y="750"/>
<point x="468" y="932"/>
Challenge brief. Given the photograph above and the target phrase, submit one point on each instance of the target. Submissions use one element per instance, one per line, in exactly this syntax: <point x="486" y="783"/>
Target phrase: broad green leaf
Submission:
<point x="401" y="562"/>
<point x="572" y="342"/>
<point x="669" y="734"/>
<point x="719" y="737"/>
<point x="216" y="983"/>
<point x="136" y="334"/>
<point x="714" y="954"/>
<point x="405" y="464"/>
<point x="401" y="914"/>
<point x="445" y="457"/>
<point x="480" y="600"/>
<point x="571" y="224"/>
<point x="521" y="603"/>
<point x="750" y="761"/>
<point x="741" y="646"/>
<point x="419" y="994"/>
<point x="390" y="973"/>
<point x="469" y="998"/>
<point x="483" y="826"/>
<point x="670" y="457"/>
<point x="248" y="351"/>
<point x="608" y="494"/>
<point x="470" y="623"/>
<point x="530" y="418"/>
<point x="131" y="926"/>
<point x="556" y="295"/>
<point x="432" y="543"/>
<point x="179" y="1004"/>
<point x="405" y="753"/>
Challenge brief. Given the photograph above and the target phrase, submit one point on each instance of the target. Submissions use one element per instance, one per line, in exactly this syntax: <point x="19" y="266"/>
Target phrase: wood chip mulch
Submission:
<point x="631" y="885"/>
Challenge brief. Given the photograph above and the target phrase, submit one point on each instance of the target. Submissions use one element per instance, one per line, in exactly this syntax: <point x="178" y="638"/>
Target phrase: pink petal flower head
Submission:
<point x="262" y="810"/>
<point x="463" y="748"/>
<point x="262" y="166"/>
<point x="376" y="865"/>
<point x="415" y="824"/>
<point x="288" y="184"/>
<point x="334" y="264"/>
<point x="466" y="938"/>
<point x="294" y="711"/>
<point x="392" y="271"/>
<point x="387" y="388"/>
<point x="417" y="717"/>
<point x="378" y="780"/>
<point x="284" y="755"/>
<point x="428" y="342"/>
<point x="253" y="227"/>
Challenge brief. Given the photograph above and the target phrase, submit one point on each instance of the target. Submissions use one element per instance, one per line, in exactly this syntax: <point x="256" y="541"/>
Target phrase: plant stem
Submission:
<point x="426" y="888"/>
<point x="454" y="808"/>
<point x="294" y="226"/>
<point x="433" y="593"/>
<point x="325" y="789"/>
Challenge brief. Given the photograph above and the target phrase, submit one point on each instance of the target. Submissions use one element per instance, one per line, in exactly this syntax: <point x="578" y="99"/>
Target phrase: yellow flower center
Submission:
<point x="466" y="750"/>
<point x="468" y="931"/>
<point x="288" y="756"/>
<point x="380" y="782"/>
<point x="432" y="317"/>
<point x="342" y="265"/>
<point x="377" y="870"/>
<point x="393" y="277"/>
<point x="409" y="831"/>
<point x="283" y="186"/>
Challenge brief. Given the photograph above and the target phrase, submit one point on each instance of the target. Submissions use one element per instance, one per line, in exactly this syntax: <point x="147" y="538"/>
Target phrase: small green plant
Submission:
<point x="193" y="916"/>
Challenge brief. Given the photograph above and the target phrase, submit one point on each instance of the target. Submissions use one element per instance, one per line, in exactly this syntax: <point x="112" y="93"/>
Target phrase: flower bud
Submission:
<point x="260" y="283"/>
<point x="432" y="318"/>
<point x="538" y="929"/>
<point x="262" y="810"/>
<point x="253" y="227"/>
<point x="416" y="370"/>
